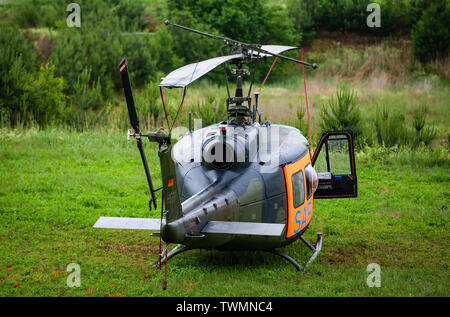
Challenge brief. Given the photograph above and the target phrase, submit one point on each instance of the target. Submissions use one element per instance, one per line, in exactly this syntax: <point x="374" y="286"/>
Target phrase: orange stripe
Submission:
<point x="292" y="224"/>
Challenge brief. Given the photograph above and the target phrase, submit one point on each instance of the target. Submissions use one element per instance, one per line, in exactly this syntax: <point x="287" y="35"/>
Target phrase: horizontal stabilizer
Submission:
<point x="250" y="228"/>
<point x="128" y="223"/>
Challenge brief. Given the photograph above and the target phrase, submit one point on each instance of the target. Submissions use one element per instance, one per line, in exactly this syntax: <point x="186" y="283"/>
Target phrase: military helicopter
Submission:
<point x="240" y="184"/>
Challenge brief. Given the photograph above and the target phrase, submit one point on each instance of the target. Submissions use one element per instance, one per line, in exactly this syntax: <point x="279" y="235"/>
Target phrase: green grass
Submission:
<point x="54" y="185"/>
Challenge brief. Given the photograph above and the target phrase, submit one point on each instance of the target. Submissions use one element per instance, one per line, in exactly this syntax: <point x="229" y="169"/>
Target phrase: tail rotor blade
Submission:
<point x="129" y="95"/>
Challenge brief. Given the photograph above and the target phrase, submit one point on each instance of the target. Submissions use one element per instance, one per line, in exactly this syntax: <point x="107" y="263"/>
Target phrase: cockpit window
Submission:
<point x="298" y="188"/>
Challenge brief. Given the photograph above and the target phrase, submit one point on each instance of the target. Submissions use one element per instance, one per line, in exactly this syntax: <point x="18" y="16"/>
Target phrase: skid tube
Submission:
<point x="316" y="249"/>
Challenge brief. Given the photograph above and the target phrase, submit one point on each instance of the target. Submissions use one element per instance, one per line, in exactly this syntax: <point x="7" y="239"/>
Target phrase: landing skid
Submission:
<point x="316" y="249"/>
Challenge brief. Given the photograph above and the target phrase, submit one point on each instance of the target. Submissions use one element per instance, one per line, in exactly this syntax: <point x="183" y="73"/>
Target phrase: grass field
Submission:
<point x="54" y="185"/>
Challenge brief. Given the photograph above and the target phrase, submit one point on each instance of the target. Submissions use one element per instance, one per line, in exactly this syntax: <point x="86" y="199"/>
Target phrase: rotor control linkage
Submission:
<point x="158" y="136"/>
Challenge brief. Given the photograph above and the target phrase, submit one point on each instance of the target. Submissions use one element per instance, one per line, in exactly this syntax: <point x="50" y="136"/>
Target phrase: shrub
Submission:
<point x="27" y="93"/>
<point x="149" y="106"/>
<point x="390" y="128"/>
<point x="424" y="135"/>
<point x="349" y="15"/>
<point x="96" y="44"/>
<point x="302" y="18"/>
<point x="47" y="101"/>
<point x="86" y="95"/>
<point x="342" y="113"/>
<point x="431" y="35"/>
<point x="16" y="74"/>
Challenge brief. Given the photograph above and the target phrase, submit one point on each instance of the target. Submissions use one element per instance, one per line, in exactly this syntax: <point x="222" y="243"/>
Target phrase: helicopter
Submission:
<point x="240" y="184"/>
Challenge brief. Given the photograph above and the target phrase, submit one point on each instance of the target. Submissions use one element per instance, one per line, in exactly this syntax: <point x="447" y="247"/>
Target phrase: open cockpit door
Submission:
<point x="334" y="162"/>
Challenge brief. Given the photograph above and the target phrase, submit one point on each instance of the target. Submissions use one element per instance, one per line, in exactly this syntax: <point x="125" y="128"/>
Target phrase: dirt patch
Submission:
<point x="340" y="256"/>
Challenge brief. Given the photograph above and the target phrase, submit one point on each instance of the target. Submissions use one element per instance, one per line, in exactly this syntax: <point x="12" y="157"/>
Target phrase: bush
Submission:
<point x="149" y="107"/>
<point x="349" y="15"/>
<point x="86" y="96"/>
<point x="301" y="14"/>
<point x="27" y="94"/>
<point x="424" y="135"/>
<point x="342" y="114"/>
<point x="36" y="13"/>
<point x="390" y="128"/>
<point x="431" y="35"/>
<point x="96" y="44"/>
<point x="47" y="101"/>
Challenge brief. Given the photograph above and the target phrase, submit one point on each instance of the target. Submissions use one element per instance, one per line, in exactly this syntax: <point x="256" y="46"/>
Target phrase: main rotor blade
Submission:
<point x="216" y="37"/>
<point x="264" y="51"/>
<point x="273" y="49"/>
<point x="185" y="75"/>
<point x="129" y="95"/>
<point x="249" y="47"/>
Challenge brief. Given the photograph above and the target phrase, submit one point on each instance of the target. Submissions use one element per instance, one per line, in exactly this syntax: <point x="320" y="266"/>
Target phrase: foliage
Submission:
<point x="86" y="95"/>
<point x="209" y="109"/>
<point x="423" y="134"/>
<point x="149" y="107"/>
<point x="302" y="122"/>
<point x="431" y="35"/>
<point x="342" y="113"/>
<point x="349" y="16"/>
<point x="130" y="13"/>
<point x="301" y="13"/>
<point x="96" y="44"/>
<point x="46" y="103"/>
<point x="86" y="58"/>
<point x="37" y="13"/>
<point x="391" y="129"/>
<point x="250" y="21"/>
<point x="27" y="93"/>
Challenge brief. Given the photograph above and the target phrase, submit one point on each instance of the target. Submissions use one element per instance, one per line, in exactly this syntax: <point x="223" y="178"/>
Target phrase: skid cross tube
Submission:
<point x="180" y="249"/>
